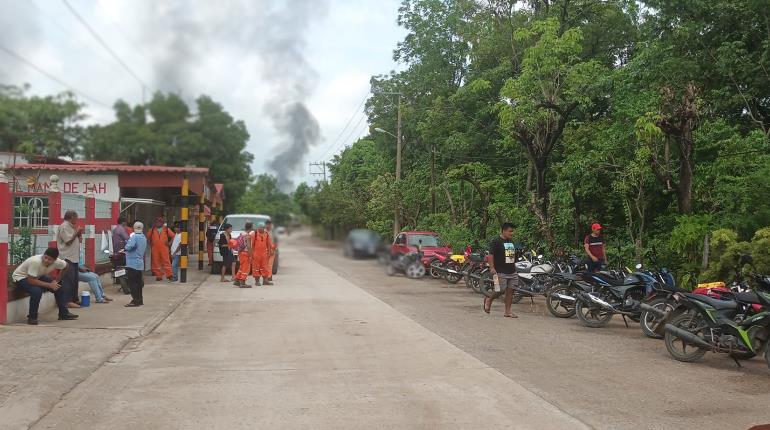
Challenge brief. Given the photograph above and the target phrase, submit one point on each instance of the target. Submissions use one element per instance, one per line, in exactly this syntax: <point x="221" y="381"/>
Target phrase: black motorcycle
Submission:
<point x="701" y="323"/>
<point x="612" y="295"/>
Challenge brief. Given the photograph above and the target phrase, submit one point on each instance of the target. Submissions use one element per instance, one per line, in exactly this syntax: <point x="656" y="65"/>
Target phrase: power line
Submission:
<point x="358" y="109"/>
<point x="352" y="133"/>
<point x="105" y="45"/>
<point x="53" y="78"/>
<point x="33" y="4"/>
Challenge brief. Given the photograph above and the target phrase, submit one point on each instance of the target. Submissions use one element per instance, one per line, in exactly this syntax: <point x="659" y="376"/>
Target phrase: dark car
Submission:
<point x="362" y="243"/>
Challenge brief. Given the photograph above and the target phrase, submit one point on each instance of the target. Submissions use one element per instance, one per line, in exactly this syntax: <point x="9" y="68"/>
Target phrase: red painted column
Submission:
<point x="54" y="209"/>
<point x="115" y="212"/>
<point x="90" y="230"/>
<point x="6" y="223"/>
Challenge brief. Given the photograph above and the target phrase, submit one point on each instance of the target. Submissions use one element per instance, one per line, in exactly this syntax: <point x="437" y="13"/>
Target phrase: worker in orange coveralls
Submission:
<point x="159" y="239"/>
<point x="244" y="256"/>
<point x="271" y="259"/>
<point x="260" y="254"/>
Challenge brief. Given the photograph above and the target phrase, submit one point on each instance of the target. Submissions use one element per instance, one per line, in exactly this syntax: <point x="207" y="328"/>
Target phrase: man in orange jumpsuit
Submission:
<point x="271" y="258"/>
<point x="244" y="256"/>
<point x="159" y="239"/>
<point x="260" y="254"/>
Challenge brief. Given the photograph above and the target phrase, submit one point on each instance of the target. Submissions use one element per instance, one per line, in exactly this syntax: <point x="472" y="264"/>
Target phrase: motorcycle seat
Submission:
<point x="569" y="276"/>
<point x="478" y="258"/>
<point x="609" y="279"/>
<point x="716" y="303"/>
<point x="748" y="297"/>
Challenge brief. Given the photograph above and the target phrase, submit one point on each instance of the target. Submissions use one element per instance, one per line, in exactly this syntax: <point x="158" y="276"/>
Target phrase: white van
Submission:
<point x="238" y="221"/>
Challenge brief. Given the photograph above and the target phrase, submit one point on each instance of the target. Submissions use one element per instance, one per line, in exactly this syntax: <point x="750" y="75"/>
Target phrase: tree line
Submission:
<point x="163" y="131"/>
<point x="651" y="117"/>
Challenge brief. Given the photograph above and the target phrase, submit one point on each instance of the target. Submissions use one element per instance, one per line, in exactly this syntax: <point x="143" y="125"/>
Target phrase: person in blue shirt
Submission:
<point x="135" y="249"/>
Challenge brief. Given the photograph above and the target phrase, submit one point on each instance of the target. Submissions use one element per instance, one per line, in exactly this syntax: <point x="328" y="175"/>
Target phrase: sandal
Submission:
<point x="512" y="315"/>
<point x="131" y="305"/>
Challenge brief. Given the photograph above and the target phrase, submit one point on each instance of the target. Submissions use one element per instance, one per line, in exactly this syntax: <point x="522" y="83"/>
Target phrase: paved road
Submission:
<point x="608" y="378"/>
<point x="314" y="351"/>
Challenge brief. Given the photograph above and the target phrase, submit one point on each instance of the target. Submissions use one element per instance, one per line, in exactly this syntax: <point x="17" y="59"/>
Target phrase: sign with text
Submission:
<point x="103" y="186"/>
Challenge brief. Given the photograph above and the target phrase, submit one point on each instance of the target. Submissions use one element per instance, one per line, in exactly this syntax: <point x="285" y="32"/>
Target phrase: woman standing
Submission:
<point x="226" y="252"/>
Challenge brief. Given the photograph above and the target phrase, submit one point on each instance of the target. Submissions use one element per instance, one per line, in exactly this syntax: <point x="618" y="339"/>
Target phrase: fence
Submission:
<point x="31" y="226"/>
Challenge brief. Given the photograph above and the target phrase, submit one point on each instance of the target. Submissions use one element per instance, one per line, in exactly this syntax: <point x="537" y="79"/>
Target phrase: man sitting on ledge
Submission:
<point x="32" y="277"/>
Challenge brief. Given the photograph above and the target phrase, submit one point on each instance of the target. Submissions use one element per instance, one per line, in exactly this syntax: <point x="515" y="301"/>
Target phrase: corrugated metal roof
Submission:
<point x="110" y="167"/>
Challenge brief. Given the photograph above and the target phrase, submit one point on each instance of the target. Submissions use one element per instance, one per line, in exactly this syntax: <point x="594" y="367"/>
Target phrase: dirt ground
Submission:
<point x="612" y="377"/>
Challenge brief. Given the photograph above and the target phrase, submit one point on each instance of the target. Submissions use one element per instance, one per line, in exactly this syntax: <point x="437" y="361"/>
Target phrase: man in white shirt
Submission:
<point x="68" y="239"/>
<point x="32" y="276"/>
<point x="176" y="252"/>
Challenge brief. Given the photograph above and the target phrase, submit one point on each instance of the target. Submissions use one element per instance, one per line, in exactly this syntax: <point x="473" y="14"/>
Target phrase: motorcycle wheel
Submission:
<point x="415" y="270"/>
<point x="558" y="307"/>
<point x="475" y="283"/>
<point x="124" y="285"/>
<point x="591" y="317"/>
<point x="648" y="319"/>
<point x="453" y="278"/>
<point x="390" y="270"/>
<point x="486" y="284"/>
<point x="435" y="268"/>
<point x="677" y="347"/>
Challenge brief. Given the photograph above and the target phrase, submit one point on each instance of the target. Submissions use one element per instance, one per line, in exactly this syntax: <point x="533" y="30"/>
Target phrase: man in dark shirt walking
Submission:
<point x="502" y="265"/>
<point x="594" y="246"/>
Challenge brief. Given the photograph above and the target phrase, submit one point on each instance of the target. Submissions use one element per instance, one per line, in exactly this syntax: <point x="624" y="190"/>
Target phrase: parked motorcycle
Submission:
<point x="533" y="276"/>
<point x="708" y="324"/>
<point x="445" y="266"/>
<point x="409" y="264"/>
<point x="610" y="296"/>
<point x="119" y="275"/>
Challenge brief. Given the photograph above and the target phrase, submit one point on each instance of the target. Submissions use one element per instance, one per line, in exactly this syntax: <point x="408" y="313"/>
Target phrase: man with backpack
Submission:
<point x="244" y="256"/>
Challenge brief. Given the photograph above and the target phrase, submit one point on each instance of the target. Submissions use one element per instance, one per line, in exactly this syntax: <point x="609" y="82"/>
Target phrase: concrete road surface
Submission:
<point x="314" y="351"/>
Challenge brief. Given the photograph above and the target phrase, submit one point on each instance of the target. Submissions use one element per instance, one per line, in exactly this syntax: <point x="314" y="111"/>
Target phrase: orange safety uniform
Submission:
<point x="260" y="253"/>
<point x="244" y="258"/>
<point x="160" y="251"/>
<point x="271" y="258"/>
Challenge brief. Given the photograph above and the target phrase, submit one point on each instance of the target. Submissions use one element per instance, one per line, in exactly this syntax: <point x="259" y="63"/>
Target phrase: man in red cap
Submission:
<point x="594" y="246"/>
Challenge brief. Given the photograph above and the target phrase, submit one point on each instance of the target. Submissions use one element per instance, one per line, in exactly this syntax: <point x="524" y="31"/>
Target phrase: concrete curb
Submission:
<point x="157" y="320"/>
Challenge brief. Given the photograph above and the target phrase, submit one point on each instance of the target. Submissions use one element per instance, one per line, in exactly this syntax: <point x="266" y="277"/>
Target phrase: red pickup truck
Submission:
<point x="407" y="241"/>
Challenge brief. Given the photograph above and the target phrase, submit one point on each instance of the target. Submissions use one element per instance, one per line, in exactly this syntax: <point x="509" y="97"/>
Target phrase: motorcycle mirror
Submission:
<point x="638" y="266"/>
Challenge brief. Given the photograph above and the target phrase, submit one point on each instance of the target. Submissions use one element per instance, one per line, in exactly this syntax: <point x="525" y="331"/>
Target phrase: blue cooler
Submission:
<point x="85" y="299"/>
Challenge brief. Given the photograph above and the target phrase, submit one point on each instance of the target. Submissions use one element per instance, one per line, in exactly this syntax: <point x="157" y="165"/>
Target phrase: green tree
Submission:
<point x="39" y="125"/>
<point x="264" y="197"/>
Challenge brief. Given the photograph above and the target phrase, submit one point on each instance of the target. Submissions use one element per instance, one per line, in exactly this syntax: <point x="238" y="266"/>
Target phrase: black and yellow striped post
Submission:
<point x="185" y="228"/>
<point x="201" y="230"/>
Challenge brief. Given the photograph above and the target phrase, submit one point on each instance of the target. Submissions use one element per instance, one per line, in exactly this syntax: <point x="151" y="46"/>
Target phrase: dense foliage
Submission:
<point x="651" y="117"/>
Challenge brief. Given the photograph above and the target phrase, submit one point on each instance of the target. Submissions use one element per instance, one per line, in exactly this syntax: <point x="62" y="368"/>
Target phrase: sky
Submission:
<point x="280" y="66"/>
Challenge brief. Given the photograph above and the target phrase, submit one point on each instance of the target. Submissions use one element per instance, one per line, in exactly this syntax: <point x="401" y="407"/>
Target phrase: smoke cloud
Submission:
<point x="293" y="80"/>
<point x="180" y="36"/>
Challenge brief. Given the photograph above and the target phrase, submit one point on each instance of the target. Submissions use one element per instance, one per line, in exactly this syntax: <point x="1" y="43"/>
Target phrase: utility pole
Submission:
<point x="399" y="144"/>
<point x="396" y="215"/>
<point x="319" y="172"/>
<point x="433" y="179"/>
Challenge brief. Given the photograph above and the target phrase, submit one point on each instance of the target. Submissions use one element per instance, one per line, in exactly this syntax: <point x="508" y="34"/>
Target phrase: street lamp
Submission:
<point x="379" y="130"/>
